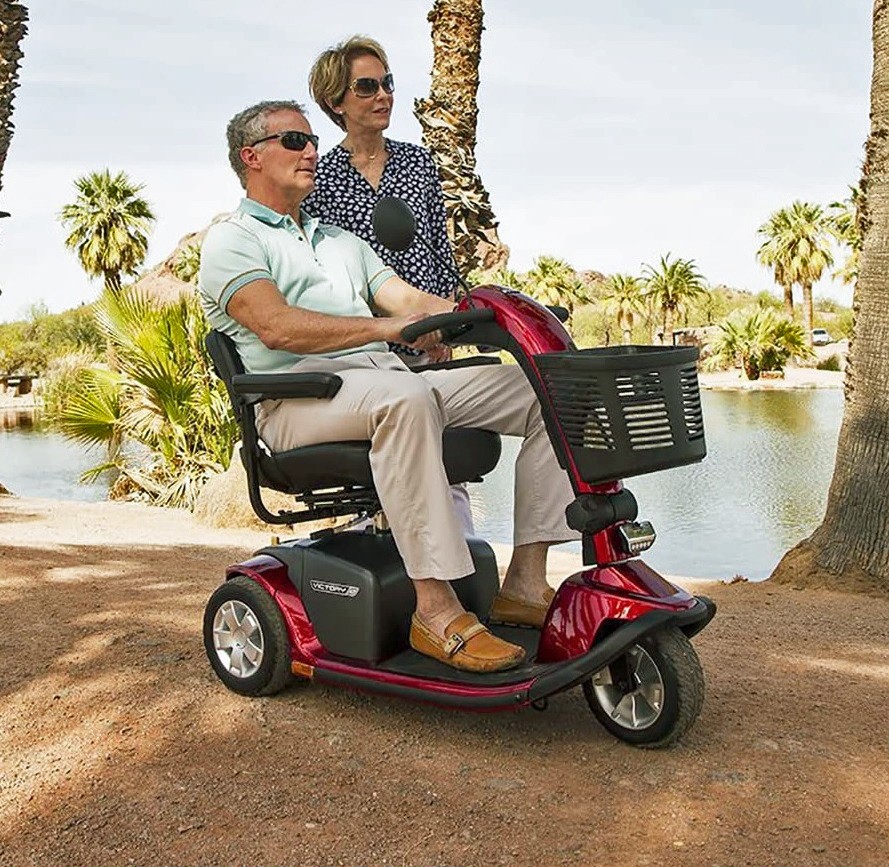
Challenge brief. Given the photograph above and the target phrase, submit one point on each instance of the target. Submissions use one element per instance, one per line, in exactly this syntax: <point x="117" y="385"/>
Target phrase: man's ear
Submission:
<point x="249" y="157"/>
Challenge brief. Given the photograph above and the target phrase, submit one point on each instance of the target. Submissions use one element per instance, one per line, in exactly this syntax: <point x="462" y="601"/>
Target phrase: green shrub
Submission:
<point x="832" y="362"/>
<point x="59" y="382"/>
<point x="757" y="340"/>
<point x="161" y="396"/>
<point x="31" y="344"/>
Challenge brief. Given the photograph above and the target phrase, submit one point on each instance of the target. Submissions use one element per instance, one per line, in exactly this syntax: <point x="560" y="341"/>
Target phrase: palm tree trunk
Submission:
<point x="625" y="324"/>
<point x="788" y="300"/>
<point x="808" y="311"/>
<point x="13" y="20"/>
<point x="113" y="282"/>
<point x="448" y="119"/>
<point x="669" y="320"/>
<point x="851" y="547"/>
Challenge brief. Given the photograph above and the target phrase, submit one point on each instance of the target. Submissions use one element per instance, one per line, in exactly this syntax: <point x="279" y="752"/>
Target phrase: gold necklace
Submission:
<point x="353" y="156"/>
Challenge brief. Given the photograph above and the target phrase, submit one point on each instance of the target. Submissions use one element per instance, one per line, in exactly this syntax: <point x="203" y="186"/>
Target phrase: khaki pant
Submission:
<point x="403" y="415"/>
<point x="459" y="493"/>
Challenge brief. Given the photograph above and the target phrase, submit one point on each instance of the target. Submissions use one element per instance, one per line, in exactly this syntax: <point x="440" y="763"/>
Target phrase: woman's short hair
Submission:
<point x="330" y="75"/>
<point x="251" y="124"/>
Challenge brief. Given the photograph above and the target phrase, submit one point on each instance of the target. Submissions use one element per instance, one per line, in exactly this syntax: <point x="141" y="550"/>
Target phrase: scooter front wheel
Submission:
<point x="650" y="696"/>
<point x="246" y="639"/>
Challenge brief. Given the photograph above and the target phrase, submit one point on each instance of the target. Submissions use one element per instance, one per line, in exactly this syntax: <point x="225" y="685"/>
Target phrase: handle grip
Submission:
<point x="449" y="324"/>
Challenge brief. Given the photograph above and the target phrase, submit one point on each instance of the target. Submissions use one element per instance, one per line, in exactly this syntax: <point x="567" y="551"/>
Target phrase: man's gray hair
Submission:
<point x="251" y="124"/>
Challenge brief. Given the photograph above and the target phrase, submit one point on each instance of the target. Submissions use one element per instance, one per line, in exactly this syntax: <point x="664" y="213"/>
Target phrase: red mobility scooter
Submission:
<point x="336" y="607"/>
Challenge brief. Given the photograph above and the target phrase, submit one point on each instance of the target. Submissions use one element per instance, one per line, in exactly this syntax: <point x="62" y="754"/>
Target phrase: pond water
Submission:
<point x="761" y="489"/>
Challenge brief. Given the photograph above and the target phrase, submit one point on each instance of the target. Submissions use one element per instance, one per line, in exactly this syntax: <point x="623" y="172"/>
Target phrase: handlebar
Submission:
<point x="449" y="324"/>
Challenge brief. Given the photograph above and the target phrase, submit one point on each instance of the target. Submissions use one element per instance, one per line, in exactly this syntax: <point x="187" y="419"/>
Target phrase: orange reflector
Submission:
<point x="300" y="669"/>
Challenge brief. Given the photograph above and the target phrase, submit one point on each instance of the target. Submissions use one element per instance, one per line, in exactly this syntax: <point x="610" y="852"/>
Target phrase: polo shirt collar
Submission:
<point x="273" y="218"/>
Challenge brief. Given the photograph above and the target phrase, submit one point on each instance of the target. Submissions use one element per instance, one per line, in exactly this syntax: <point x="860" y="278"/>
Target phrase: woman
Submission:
<point x="353" y="86"/>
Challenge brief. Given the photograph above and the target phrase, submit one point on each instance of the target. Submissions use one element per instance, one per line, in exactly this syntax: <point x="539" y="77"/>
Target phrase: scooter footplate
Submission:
<point x="413" y="664"/>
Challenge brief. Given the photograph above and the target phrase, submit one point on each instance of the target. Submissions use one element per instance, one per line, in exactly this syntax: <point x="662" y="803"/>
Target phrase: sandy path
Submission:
<point x="119" y="746"/>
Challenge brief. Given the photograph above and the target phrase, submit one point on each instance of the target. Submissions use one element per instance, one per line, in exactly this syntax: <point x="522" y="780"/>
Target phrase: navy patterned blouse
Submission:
<point x="343" y="196"/>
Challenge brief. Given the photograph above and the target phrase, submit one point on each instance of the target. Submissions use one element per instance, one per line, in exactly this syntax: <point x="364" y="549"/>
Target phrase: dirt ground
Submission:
<point x="119" y="746"/>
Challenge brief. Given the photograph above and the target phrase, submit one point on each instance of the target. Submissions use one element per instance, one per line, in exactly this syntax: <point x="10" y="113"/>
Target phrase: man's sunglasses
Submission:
<point x="292" y="139"/>
<point x="365" y="87"/>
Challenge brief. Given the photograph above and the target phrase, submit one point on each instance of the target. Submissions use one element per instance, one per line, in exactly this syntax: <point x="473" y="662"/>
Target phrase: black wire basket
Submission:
<point x="626" y="410"/>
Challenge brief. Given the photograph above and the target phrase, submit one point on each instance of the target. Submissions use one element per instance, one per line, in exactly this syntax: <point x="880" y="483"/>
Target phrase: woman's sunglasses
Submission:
<point x="292" y="139"/>
<point x="365" y="87"/>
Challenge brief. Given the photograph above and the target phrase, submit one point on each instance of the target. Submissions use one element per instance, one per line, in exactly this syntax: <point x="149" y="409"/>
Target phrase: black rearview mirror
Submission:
<point x="394" y="223"/>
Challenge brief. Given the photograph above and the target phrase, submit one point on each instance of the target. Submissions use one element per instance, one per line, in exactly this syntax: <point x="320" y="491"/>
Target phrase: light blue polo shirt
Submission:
<point x="321" y="268"/>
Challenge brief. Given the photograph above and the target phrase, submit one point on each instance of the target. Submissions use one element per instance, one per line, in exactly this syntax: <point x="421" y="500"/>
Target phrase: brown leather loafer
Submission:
<point x="468" y="645"/>
<point x="513" y="612"/>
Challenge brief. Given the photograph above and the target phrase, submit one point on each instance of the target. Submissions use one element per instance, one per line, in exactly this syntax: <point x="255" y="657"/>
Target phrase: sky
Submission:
<point x="609" y="134"/>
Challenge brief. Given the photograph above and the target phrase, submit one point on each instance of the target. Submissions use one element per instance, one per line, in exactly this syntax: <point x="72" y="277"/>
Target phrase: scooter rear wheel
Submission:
<point x="246" y="639"/>
<point x="650" y="696"/>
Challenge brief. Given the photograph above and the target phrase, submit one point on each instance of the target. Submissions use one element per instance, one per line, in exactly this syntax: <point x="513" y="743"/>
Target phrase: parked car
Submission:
<point x="821" y="337"/>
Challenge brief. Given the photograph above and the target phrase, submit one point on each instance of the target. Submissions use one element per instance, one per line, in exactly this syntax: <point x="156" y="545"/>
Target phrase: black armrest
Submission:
<point x="277" y="386"/>
<point x="471" y="361"/>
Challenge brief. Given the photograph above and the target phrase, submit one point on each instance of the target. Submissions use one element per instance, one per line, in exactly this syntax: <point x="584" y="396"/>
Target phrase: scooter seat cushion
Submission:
<point x="469" y="453"/>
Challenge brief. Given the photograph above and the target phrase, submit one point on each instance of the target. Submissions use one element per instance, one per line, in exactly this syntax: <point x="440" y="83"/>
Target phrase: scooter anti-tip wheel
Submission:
<point x="246" y="639"/>
<point x="650" y="696"/>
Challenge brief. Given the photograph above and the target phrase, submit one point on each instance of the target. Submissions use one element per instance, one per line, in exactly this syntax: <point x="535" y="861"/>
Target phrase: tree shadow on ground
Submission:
<point x="119" y="743"/>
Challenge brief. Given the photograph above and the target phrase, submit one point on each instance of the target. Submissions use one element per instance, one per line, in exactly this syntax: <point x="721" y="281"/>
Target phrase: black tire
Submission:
<point x="672" y="668"/>
<point x="269" y="670"/>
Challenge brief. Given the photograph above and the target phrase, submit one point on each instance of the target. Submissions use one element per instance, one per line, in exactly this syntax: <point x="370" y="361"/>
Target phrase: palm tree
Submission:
<point x="186" y="263"/>
<point x="13" y="27"/>
<point x="623" y="294"/>
<point x="850" y="550"/>
<point x="670" y="286"/>
<point x="109" y="225"/>
<point x="843" y="220"/>
<point x="797" y="248"/>
<point x="758" y="340"/>
<point x="162" y="396"/>
<point x="499" y="277"/>
<point x="772" y="255"/>
<point x="448" y="120"/>
<point x="553" y="281"/>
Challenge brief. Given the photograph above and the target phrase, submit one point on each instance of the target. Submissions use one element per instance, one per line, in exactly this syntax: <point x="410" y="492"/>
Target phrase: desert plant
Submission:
<point x="499" y="277"/>
<point x="670" y="286"/>
<point x="108" y="226"/>
<point x="623" y="297"/>
<point x="162" y="395"/>
<point x="844" y="222"/>
<point x="29" y="345"/>
<point x="186" y="263"/>
<point x="554" y="281"/>
<point x="832" y="362"/>
<point x="757" y="340"/>
<point x="797" y="247"/>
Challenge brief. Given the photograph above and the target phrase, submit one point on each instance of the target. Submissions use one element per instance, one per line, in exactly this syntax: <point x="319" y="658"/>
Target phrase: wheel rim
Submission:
<point x="238" y="638"/>
<point x="631" y="690"/>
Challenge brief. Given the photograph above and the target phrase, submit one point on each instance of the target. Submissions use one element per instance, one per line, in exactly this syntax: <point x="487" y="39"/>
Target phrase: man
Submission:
<point x="297" y="295"/>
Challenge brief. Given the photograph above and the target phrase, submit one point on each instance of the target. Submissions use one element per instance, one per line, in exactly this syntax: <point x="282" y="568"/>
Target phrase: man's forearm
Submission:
<point x="304" y="332"/>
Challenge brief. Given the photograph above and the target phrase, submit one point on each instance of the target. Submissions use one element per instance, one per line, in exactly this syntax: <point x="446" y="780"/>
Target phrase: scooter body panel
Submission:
<point x="352" y="589"/>
<point x="601" y="597"/>
<point x="625" y="596"/>
<point x="529" y="323"/>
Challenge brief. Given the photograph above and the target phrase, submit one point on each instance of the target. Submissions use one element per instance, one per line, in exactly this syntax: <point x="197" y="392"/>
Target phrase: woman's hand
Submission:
<point x="439" y="354"/>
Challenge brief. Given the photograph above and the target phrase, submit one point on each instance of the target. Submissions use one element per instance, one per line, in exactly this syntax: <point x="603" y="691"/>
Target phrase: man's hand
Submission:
<point x="397" y="324"/>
